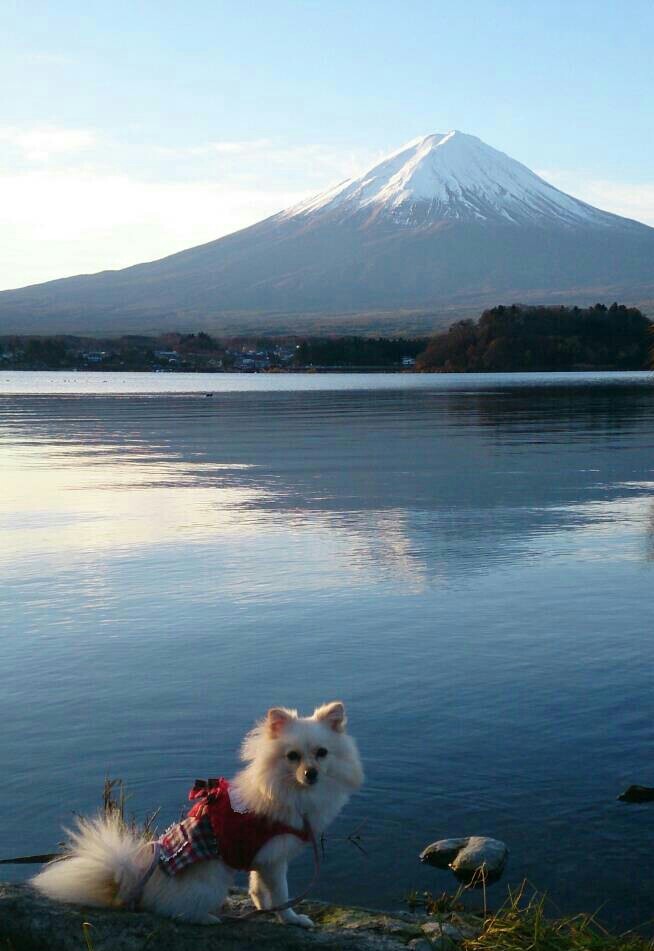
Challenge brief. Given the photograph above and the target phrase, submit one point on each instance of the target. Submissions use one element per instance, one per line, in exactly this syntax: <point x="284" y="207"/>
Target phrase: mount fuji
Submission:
<point x="443" y="226"/>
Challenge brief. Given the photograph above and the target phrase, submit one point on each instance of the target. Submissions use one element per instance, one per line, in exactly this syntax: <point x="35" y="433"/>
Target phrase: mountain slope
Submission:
<point x="445" y="222"/>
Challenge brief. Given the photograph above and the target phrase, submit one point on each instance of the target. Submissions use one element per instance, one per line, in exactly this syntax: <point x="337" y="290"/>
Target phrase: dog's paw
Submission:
<point x="289" y="917"/>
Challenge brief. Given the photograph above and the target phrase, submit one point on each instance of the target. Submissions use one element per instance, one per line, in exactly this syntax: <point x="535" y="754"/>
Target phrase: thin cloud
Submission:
<point x="628" y="199"/>
<point x="318" y="163"/>
<point x="245" y="147"/>
<point x="227" y="147"/>
<point x="623" y="198"/>
<point x="40" y="143"/>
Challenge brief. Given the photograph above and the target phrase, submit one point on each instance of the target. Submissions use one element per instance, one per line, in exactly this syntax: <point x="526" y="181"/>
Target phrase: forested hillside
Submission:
<point x="544" y="338"/>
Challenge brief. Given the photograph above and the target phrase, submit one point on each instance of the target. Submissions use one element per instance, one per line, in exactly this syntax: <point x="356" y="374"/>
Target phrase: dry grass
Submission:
<point x="523" y="924"/>
<point x="114" y="802"/>
<point x="523" y="928"/>
<point x="443" y="904"/>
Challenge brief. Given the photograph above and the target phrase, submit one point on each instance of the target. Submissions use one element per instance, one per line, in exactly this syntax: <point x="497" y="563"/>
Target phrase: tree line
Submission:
<point x="519" y="337"/>
<point x="504" y="338"/>
<point x="358" y="351"/>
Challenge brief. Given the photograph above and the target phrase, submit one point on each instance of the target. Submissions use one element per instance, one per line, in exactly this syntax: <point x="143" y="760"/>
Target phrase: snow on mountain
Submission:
<point x="451" y="176"/>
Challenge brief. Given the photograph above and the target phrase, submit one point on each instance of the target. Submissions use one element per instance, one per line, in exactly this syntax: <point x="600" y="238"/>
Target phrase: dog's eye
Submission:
<point x="321" y="753"/>
<point x="293" y="756"/>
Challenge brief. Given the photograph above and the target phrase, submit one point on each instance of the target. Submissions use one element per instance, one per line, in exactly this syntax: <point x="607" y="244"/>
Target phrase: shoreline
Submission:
<point x="28" y="922"/>
<point x="312" y="370"/>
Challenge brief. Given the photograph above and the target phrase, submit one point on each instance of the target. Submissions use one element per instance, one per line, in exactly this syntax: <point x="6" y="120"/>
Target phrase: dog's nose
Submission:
<point x="311" y="775"/>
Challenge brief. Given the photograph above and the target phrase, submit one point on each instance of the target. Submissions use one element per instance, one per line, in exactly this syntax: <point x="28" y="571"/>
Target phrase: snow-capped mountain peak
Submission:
<point x="451" y="175"/>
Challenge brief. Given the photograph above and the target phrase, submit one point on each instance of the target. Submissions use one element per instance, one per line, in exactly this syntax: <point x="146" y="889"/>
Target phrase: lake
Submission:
<point x="465" y="560"/>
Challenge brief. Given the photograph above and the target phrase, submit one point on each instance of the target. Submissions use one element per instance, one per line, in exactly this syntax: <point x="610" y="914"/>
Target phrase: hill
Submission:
<point x="544" y="338"/>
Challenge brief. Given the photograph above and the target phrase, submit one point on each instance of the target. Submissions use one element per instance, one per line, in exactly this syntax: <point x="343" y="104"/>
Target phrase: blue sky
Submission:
<point x="131" y="130"/>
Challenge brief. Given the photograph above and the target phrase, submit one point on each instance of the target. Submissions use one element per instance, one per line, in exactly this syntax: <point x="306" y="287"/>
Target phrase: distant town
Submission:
<point x="202" y="353"/>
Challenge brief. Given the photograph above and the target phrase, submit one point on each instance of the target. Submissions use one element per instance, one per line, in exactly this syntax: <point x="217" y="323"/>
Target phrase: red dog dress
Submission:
<point x="218" y="826"/>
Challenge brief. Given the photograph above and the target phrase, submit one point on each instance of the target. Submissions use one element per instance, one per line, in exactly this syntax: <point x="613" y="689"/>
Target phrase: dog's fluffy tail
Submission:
<point x="102" y="866"/>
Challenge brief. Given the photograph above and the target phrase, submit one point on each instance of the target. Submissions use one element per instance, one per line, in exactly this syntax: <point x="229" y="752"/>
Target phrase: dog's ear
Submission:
<point x="277" y="719"/>
<point x="332" y="715"/>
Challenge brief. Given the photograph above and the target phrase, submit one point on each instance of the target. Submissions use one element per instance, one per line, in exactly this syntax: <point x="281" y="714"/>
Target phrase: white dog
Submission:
<point x="299" y="773"/>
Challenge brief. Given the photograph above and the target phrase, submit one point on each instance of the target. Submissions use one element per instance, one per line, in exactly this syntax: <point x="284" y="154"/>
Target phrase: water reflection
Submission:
<point x="425" y="483"/>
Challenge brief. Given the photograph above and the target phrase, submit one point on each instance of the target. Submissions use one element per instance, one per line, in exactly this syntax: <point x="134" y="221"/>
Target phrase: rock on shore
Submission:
<point x="30" y="922"/>
<point x="468" y="857"/>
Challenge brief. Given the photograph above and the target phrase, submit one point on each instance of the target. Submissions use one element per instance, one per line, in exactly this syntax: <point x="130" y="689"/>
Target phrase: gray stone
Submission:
<point x="420" y="944"/>
<point x="442" y="929"/>
<point x="442" y="853"/>
<point x="475" y="859"/>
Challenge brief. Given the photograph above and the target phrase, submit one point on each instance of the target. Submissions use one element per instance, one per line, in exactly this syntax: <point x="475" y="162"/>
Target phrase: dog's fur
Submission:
<point x="105" y="861"/>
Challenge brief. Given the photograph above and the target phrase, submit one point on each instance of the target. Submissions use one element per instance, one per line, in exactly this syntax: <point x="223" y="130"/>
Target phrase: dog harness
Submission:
<point x="219" y="825"/>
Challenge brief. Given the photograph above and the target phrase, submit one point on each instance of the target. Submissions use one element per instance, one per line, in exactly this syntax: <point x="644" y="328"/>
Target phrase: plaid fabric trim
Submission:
<point x="186" y="842"/>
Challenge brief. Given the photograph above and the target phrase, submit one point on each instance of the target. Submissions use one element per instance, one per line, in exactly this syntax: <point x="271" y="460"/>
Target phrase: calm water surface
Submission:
<point x="466" y="560"/>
